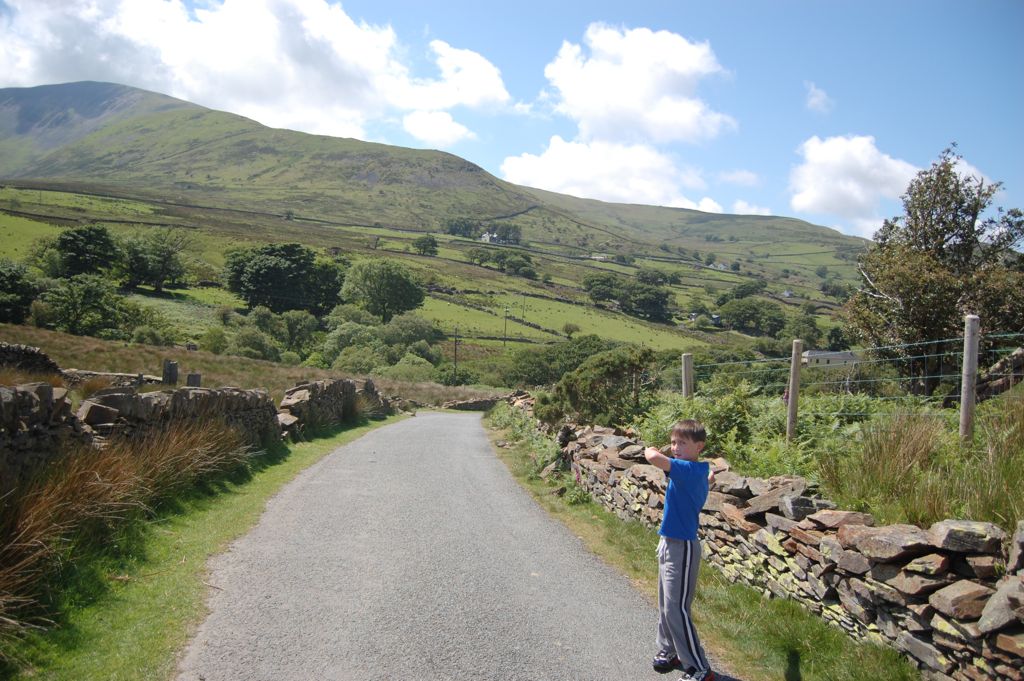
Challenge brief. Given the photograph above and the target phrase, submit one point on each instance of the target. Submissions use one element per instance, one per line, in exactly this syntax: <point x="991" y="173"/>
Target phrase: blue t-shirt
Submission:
<point x="687" y="491"/>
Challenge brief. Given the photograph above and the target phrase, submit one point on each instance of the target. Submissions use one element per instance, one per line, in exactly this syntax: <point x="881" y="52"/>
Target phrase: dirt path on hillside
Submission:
<point x="411" y="553"/>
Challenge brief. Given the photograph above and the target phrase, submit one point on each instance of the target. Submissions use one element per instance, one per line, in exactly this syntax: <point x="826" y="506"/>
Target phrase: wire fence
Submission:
<point x="926" y="377"/>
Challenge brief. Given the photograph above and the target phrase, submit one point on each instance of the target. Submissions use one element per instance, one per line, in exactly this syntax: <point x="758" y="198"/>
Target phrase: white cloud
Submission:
<point x="741" y="207"/>
<point x="847" y="177"/>
<point x="817" y="99"/>
<point x="626" y="173"/>
<point x="301" y="64"/>
<point x="636" y="85"/>
<point x="436" y="128"/>
<point x="743" y="178"/>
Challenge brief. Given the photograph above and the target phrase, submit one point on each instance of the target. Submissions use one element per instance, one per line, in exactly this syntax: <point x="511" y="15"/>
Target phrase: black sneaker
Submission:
<point x="663" y="663"/>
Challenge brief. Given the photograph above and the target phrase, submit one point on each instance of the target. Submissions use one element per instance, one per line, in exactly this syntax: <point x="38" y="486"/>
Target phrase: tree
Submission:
<point x="86" y="250"/>
<point x="425" y="245"/>
<point x="603" y="286"/>
<point x="383" y="287"/>
<point x="948" y="255"/>
<point x="647" y="275"/>
<point x="569" y="329"/>
<point x="164" y="249"/>
<point x="84" y="305"/>
<point x="16" y="292"/>
<point x="283" y="277"/>
<point x="610" y="388"/>
<point x="647" y="302"/>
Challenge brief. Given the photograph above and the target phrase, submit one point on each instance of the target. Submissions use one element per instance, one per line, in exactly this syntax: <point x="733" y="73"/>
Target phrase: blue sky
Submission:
<point x="818" y="110"/>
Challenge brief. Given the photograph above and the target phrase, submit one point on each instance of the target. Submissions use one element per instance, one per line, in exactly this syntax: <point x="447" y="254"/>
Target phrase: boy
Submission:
<point x="679" y="551"/>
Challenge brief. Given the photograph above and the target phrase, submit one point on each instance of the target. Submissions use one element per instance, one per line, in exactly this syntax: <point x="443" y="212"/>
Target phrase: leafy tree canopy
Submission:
<point x="284" y="277"/>
<point x="86" y="250"/>
<point x="948" y="255"/>
<point x="16" y="292"/>
<point x="383" y="287"/>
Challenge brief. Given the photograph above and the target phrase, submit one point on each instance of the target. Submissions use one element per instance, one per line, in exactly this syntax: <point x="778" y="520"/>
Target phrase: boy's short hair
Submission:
<point x="690" y="429"/>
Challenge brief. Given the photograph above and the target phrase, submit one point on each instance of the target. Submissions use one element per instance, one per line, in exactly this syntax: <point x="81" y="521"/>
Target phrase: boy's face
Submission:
<point x="685" y="448"/>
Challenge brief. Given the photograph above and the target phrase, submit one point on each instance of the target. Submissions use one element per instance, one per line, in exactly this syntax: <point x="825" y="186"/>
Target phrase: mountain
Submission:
<point x="131" y="142"/>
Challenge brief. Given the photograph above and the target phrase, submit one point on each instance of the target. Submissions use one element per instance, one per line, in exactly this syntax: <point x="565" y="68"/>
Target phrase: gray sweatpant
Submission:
<point x="678" y="565"/>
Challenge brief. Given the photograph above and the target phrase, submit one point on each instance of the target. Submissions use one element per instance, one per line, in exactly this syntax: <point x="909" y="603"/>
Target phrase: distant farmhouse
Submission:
<point x="829" y="358"/>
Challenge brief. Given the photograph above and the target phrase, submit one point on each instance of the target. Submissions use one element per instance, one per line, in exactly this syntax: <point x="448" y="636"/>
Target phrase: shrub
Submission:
<point x="410" y="368"/>
<point x="610" y="388"/>
<point x="448" y="375"/>
<point x="359" y="359"/>
<point x="290" y="358"/>
<point x="254" y="344"/>
<point x="346" y="335"/>
<point x="213" y="340"/>
<point x="149" y="336"/>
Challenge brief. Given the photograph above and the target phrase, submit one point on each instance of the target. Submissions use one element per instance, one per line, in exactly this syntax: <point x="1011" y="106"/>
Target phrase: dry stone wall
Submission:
<point x="323" y="403"/>
<point x="35" y="422"/>
<point x="27" y="358"/>
<point x="951" y="597"/>
<point x="125" y="411"/>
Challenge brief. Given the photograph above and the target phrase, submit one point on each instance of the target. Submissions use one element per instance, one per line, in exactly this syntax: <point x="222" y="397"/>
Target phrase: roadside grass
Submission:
<point x="132" y="608"/>
<point x="758" y="638"/>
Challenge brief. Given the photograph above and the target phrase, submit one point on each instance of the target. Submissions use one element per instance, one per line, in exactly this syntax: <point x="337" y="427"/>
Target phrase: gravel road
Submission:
<point x="411" y="553"/>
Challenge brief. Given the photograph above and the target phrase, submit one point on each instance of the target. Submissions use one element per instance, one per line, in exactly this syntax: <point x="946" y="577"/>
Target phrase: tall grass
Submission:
<point x="87" y="498"/>
<point x="912" y="468"/>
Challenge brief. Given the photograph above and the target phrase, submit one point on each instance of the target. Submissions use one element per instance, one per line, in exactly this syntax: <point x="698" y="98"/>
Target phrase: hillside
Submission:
<point x="136" y="143"/>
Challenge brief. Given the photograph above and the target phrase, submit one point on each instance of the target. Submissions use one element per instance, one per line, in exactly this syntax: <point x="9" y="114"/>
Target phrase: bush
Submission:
<point x="213" y="340"/>
<point x="610" y="388"/>
<point x="254" y="344"/>
<point x="290" y="358"/>
<point x="412" y="368"/>
<point x="447" y="375"/>
<point x="346" y="335"/>
<point x="85" y="305"/>
<point x="149" y="336"/>
<point x="359" y="359"/>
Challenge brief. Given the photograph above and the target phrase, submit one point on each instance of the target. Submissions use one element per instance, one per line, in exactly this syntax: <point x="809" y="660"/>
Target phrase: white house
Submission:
<point x="828" y="358"/>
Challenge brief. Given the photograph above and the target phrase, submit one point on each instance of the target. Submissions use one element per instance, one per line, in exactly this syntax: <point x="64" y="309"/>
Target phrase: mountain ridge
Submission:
<point x="118" y="135"/>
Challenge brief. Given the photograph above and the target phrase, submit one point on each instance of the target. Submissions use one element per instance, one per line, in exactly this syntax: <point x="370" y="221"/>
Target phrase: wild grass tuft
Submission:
<point x="87" y="498"/>
<point x="15" y="376"/>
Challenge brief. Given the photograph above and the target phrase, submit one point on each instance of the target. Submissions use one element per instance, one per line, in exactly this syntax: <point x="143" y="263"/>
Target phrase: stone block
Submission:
<point x="1015" y="563"/>
<point x="833" y="519"/>
<point x="93" y="414"/>
<point x="893" y="542"/>
<point x="1000" y="610"/>
<point x="850" y="533"/>
<point x="962" y="600"/>
<point x="1011" y="642"/>
<point x="736" y="519"/>
<point x="967" y="536"/>
<point x="984" y="567"/>
<point x="778" y="523"/>
<point x="925" y="652"/>
<point x="931" y="564"/>
<point x="716" y="499"/>
<point x="799" y="507"/>
<point x="853" y="562"/>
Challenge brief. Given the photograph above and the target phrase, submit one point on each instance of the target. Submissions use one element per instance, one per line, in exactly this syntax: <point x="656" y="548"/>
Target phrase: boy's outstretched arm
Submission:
<point x="656" y="458"/>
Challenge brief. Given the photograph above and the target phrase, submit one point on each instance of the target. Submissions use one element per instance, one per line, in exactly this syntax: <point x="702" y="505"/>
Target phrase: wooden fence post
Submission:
<point x="969" y="376"/>
<point x="793" y="392"/>
<point x="687" y="375"/>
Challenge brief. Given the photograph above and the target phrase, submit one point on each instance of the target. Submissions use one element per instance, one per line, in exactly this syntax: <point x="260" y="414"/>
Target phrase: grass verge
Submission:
<point x="756" y="638"/>
<point x="128" y="612"/>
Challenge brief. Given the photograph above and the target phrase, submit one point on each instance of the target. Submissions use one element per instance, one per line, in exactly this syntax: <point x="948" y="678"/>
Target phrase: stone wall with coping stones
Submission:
<point x="27" y="358"/>
<point x="125" y="411"/>
<point x="35" y="422"/>
<point x="328" y="402"/>
<point x="951" y="597"/>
